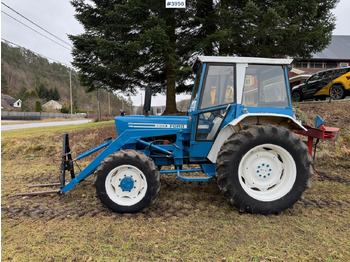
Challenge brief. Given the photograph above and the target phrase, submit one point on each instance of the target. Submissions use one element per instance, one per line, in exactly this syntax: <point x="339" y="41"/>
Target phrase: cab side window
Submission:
<point x="218" y="87"/>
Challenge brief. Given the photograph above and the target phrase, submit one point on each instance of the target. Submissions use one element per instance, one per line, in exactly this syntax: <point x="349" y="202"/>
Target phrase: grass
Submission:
<point x="188" y="222"/>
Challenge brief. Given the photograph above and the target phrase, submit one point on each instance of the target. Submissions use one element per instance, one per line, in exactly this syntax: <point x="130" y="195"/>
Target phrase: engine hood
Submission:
<point x="175" y="123"/>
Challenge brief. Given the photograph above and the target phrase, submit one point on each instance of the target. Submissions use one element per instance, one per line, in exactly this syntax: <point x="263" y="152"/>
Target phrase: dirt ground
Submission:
<point x="189" y="221"/>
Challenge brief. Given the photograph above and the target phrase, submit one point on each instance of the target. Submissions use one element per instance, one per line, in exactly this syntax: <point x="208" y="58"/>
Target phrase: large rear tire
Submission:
<point x="128" y="182"/>
<point x="264" y="169"/>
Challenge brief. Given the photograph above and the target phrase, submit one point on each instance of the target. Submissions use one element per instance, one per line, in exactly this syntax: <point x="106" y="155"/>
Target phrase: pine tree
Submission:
<point x="133" y="44"/>
<point x="137" y="43"/>
<point x="42" y="91"/>
<point x="56" y="94"/>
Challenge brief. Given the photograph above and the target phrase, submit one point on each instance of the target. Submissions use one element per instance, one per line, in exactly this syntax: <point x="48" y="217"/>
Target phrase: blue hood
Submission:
<point x="176" y="123"/>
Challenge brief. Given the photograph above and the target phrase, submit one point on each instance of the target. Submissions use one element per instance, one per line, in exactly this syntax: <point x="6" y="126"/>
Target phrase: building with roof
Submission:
<point x="10" y="103"/>
<point x="337" y="54"/>
<point x="52" y="105"/>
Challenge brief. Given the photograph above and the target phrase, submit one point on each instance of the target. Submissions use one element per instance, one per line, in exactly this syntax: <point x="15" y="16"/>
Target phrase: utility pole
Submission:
<point x="70" y="92"/>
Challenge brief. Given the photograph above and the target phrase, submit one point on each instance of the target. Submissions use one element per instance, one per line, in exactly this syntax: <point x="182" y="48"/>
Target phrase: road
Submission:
<point x="42" y="124"/>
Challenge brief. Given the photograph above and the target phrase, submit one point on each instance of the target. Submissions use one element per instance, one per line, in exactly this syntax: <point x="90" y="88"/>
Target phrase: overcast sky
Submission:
<point x="57" y="17"/>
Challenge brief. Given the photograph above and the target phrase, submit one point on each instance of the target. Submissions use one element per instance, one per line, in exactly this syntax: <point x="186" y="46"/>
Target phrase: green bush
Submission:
<point x="38" y="107"/>
<point x="65" y="108"/>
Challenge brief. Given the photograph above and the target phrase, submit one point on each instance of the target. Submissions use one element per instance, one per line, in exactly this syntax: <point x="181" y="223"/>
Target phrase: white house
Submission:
<point x="9" y="102"/>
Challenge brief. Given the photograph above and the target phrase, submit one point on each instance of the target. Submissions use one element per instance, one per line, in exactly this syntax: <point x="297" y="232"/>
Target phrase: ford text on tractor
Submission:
<point x="240" y="130"/>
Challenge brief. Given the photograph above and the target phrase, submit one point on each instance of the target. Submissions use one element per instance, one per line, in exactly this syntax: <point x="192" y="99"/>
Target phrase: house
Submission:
<point x="52" y="105"/>
<point x="10" y="103"/>
<point x="336" y="54"/>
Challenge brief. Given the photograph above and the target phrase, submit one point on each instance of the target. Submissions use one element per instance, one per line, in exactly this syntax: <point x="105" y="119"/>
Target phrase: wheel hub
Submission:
<point x="263" y="170"/>
<point x="127" y="183"/>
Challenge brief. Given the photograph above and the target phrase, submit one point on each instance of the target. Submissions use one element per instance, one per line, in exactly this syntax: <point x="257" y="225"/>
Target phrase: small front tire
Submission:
<point x="128" y="182"/>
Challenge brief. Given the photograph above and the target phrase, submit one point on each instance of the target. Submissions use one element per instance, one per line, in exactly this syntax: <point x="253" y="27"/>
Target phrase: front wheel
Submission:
<point x="263" y="169"/>
<point x="128" y="182"/>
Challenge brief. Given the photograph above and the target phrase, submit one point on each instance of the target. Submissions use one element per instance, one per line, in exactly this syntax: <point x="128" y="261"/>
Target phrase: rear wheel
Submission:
<point x="263" y="169"/>
<point x="337" y="92"/>
<point x="128" y="182"/>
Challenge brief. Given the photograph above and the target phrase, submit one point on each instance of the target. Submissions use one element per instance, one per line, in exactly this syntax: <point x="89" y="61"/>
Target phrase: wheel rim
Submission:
<point x="267" y="172"/>
<point x="336" y="92"/>
<point x="126" y="185"/>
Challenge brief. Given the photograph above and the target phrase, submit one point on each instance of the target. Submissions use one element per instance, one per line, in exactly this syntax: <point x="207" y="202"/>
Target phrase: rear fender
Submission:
<point x="247" y="120"/>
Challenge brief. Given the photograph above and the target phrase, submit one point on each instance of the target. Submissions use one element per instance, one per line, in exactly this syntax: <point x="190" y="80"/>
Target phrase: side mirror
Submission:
<point x="147" y="103"/>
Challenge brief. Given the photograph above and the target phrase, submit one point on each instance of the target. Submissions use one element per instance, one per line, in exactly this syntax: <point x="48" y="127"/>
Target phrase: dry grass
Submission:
<point x="54" y="129"/>
<point x="188" y="222"/>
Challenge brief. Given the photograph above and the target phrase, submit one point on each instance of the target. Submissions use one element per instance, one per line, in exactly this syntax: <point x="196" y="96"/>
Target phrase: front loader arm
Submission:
<point x="126" y="138"/>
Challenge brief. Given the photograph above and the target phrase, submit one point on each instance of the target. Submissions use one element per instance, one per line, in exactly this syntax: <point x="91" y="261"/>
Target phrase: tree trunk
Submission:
<point x="170" y="92"/>
<point x="170" y="66"/>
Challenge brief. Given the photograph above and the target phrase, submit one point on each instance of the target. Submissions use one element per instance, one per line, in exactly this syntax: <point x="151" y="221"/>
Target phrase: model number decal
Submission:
<point x="171" y="126"/>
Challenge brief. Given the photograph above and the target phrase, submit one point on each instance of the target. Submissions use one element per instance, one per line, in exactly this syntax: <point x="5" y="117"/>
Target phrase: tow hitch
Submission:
<point x="318" y="132"/>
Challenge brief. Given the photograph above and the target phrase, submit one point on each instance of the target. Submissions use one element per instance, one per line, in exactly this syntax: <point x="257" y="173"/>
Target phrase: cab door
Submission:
<point x="214" y="103"/>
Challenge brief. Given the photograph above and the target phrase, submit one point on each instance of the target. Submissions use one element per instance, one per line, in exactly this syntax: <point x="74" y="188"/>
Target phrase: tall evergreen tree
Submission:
<point x="56" y="95"/>
<point x="136" y="43"/>
<point x="129" y="44"/>
<point x="42" y="91"/>
<point x="273" y="28"/>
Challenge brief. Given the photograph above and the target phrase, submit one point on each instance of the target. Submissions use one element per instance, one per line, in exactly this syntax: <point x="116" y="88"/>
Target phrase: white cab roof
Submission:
<point x="244" y="60"/>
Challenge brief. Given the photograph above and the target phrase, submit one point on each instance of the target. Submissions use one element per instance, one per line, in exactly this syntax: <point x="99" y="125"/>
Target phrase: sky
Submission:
<point x="57" y="17"/>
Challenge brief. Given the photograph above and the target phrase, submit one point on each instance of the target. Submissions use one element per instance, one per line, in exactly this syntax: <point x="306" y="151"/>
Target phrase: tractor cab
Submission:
<point x="226" y="88"/>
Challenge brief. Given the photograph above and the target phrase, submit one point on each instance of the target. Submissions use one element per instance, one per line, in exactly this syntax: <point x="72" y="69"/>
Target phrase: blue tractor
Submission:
<point x="239" y="129"/>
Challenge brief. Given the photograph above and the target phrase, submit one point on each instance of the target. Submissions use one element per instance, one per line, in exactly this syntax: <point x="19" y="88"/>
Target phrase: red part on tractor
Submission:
<point x="322" y="132"/>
